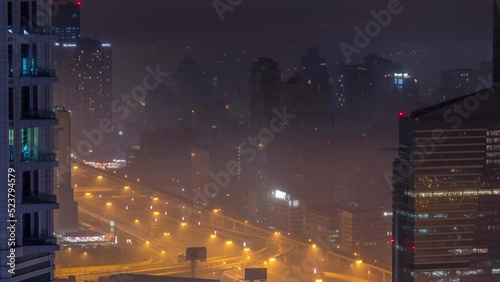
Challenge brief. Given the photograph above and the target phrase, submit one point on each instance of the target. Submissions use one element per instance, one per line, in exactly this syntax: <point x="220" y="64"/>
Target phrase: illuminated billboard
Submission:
<point x="280" y="195"/>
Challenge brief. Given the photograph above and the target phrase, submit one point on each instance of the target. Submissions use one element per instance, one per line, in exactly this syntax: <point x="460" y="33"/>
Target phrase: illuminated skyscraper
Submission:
<point x="446" y="197"/>
<point x="84" y="71"/>
<point x="66" y="20"/>
<point x="26" y="143"/>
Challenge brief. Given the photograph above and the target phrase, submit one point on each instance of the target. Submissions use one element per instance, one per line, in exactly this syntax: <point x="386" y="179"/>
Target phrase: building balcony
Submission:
<point x="38" y="114"/>
<point x="39" y="241"/>
<point x="38" y="72"/>
<point x="31" y="30"/>
<point x="39" y="198"/>
<point x="39" y="30"/>
<point x="40" y="157"/>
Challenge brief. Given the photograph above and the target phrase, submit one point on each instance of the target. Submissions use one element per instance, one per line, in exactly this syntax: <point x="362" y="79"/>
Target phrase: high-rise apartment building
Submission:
<point x="374" y="89"/>
<point x="66" y="22"/>
<point x="314" y="69"/>
<point x="84" y="70"/>
<point x="26" y="143"/>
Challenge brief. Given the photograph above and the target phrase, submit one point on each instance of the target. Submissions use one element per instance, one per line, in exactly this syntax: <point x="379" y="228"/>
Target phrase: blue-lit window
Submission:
<point x="398" y="81"/>
<point x="25" y="144"/>
<point x="24" y="59"/>
<point x="423" y="215"/>
<point x="422" y="231"/>
<point x="34" y="59"/>
<point x="29" y="144"/>
<point x="11" y="145"/>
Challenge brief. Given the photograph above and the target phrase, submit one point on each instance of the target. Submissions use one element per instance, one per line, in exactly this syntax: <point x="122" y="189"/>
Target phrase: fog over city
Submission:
<point x="250" y="140"/>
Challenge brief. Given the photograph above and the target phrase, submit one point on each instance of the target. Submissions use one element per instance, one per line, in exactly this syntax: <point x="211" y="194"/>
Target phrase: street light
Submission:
<point x="272" y="260"/>
<point x="147" y="250"/>
<point x="69" y="260"/>
<point x="163" y="256"/>
<point x="85" y="268"/>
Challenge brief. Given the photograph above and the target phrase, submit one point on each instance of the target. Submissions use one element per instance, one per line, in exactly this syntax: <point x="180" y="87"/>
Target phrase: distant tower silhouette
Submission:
<point x="496" y="43"/>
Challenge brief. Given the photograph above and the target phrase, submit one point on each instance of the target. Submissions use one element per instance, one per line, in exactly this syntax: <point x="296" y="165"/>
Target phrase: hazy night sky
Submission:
<point x="446" y="33"/>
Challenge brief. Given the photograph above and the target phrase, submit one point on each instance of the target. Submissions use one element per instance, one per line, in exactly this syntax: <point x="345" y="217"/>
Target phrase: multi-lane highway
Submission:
<point x="166" y="225"/>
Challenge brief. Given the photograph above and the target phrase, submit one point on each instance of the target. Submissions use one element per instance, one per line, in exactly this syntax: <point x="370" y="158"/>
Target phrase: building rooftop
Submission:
<point x="489" y="106"/>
